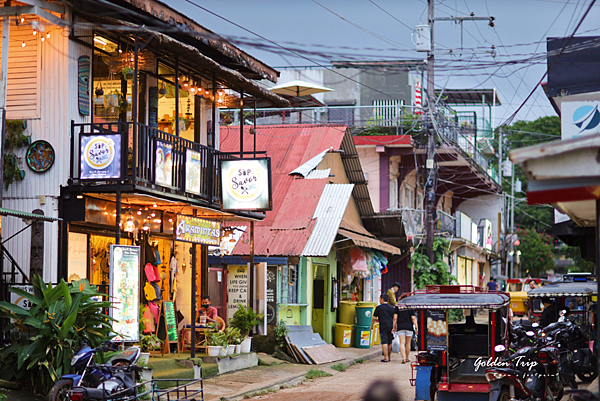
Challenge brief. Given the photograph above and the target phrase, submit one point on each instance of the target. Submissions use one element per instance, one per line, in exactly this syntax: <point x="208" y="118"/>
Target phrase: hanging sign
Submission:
<point x="197" y="231"/>
<point x="271" y="294"/>
<point x="124" y="290"/>
<point x="192" y="171"/>
<point x="437" y="330"/>
<point x="246" y="184"/>
<point x="164" y="163"/>
<point x="100" y="157"/>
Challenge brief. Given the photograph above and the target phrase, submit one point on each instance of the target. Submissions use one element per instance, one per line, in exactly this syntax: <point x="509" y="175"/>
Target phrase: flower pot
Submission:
<point x="145" y="356"/>
<point x="223" y="351"/>
<point x="238" y="349"/>
<point x="246" y="345"/>
<point x="213" y="350"/>
<point x="230" y="349"/>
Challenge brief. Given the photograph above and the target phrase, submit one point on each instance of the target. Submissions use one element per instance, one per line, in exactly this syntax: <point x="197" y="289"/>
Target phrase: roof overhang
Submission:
<point x="27" y="216"/>
<point x="470" y="97"/>
<point x="368" y="242"/>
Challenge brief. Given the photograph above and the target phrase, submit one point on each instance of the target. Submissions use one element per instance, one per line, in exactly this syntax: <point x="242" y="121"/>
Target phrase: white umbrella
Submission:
<point x="298" y="89"/>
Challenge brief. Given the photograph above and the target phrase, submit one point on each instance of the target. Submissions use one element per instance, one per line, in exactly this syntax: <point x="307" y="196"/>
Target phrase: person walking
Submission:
<point x="405" y="324"/>
<point x="492" y="285"/>
<point x="384" y="313"/>
<point x="391" y="293"/>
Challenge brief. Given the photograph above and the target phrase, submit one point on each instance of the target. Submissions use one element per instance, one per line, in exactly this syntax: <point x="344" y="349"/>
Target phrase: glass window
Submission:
<point x="288" y="276"/>
<point x="190" y="90"/>
<point x="112" y="78"/>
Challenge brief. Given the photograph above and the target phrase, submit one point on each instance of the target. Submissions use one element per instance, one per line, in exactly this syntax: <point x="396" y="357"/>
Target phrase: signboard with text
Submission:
<point x="237" y="289"/>
<point x="198" y="231"/>
<point x="246" y="184"/>
<point x="193" y="164"/>
<point x="272" y="295"/>
<point x="437" y="330"/>
<point x="124" y="290"/>
<point x="100" y="157"/>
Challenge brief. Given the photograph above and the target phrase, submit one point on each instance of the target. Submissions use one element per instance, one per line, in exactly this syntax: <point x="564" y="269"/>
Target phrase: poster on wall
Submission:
<point x="193" y="163"/>
<point x="198" y="231"/>
<point x="77" y="257"/>
<point x="437" y="330"/>
<point x="246" y="184"/>
<point x="272" y="295"/>
<point x="124" y="290"/>
<point x="237" y="289"/>
<point x="100" y="157"/>
<point x="164" y="163"/>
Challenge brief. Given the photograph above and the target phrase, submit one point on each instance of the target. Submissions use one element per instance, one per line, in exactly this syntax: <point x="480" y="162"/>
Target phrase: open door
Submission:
<point x="217" y="290"/>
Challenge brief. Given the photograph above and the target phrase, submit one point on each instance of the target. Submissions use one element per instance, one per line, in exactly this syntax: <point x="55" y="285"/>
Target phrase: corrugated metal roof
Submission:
<point x="310" y="165"/>
<point x="318" y="174"/>
<point x="25" y="215"/>
<point x="369" y="242"/>
<point x="329" y="214"/>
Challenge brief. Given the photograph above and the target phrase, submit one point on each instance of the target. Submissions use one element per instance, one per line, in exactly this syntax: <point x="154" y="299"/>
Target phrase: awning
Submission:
<point x="367" y="242"/>
<point x="25" y="215"/>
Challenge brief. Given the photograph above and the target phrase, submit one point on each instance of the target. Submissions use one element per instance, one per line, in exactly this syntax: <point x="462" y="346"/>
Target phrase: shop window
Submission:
<point x="288" y="284"/>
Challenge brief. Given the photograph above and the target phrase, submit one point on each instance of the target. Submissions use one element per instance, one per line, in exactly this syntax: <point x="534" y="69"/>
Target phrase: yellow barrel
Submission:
<point x="375" y="338"/>
<point x="344" y="335"/>
<point x="347" y="312"/>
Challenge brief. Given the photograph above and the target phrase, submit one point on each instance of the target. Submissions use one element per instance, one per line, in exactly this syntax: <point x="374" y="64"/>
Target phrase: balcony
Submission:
<point x="148" y="159"/>
<point x="414" y="221"/>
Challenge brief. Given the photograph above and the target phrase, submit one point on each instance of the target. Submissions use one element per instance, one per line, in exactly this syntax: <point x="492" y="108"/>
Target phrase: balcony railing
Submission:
<point x="144" y="155"/>
<point x="445" y="223"/>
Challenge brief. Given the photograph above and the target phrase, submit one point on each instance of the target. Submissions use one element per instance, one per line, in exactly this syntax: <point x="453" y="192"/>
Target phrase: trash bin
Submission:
<point x="362" y="336"/>
<point x="347" y="312"/>
<point x="375" y="337"/>
<point x="344" y="335"/>
<point x="364" y="314"/>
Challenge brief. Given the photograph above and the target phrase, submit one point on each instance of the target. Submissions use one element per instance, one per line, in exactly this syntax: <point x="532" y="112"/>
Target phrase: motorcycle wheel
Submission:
<point x="560" y="393"/>
<point x="60" y="390"/>
<point x="589" y="375"/>
<point x="504" y="394"/>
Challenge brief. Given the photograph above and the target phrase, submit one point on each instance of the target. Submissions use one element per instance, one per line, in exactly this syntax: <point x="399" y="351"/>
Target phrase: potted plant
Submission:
<point x="244" y="319"/>
<point x="128" y="73"/>
<point x="150" y="342"/>
<point x="215" y="343"/>
<point x="234" y="338"/>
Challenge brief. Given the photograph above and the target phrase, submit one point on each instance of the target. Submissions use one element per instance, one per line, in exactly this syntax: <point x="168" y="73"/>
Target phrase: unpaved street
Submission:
<point x="349" y="385"/>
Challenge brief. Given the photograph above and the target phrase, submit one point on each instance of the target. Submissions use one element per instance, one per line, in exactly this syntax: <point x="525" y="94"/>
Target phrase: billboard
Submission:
<point x="197" y="231"/>
<point x="580" y="119"/>
<point x="246" y="184"/>
<point x="100" y="157"/>
<point x="125" y="291"/>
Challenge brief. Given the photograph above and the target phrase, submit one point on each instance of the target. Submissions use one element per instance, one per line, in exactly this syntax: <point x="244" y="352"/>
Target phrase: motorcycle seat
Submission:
<point x="129" y="356"/>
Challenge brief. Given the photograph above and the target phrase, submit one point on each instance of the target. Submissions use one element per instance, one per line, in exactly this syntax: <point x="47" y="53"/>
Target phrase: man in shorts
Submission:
<point x="384" y="313"/>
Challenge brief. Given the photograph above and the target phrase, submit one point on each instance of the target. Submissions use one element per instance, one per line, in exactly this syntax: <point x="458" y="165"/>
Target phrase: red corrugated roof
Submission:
<point x="286" y="229"/>
<point x="387" y="140"/>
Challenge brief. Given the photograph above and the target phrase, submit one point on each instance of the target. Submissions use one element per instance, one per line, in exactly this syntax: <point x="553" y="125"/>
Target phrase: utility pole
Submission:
<point x="430" y="162"/>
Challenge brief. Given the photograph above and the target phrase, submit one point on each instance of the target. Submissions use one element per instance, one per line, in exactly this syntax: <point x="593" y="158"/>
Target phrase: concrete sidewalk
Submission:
<point x="233" y="386"/>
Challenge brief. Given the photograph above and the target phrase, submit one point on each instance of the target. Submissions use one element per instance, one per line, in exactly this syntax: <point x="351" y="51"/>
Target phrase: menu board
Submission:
<point x="169" y="312"/>
<point x="100" y="157"/>
<point x="164" y="163"/>
<point x="437" y="330"/>
<point x="124" y="290"/>
<point x="237" y="288"/>
<point x="192" y="171"/>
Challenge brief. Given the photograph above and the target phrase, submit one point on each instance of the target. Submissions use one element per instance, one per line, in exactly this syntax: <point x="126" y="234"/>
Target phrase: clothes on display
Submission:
<point x="157" y="291"/>
<point x="151" y="271"/>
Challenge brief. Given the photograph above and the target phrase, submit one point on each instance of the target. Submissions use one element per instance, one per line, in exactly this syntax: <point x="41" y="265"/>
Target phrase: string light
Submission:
<point x="34" y="32"/>
<point x="43" y="38"/>
<point x="22" y="19"/>
<point x="48" y="35"/>
<point x="23" y="44"/>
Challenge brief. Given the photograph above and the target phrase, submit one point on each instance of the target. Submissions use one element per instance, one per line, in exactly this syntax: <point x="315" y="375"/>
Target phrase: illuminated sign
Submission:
<point x="192" y="171"/>
<point x="197" y="231"/>
<point x="100" y="157"/>
<point x="124" y="290"/>
<point x="246" y="184"/>
<point x="164" y="163"/>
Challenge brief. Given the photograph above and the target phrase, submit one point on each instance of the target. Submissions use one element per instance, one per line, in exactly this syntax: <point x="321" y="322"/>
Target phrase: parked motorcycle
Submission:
<point x="121" y="383"/>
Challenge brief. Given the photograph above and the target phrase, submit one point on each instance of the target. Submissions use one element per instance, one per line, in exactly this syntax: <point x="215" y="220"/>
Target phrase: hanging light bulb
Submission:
<point x="146" y="226"/>
<point x="22" y="19"/>
<point x="139" y="212"/>
<point x="48" y="35"/>
<point x="43" y="38"/>
<point x="34" y="32"/>
<point x="192" y="89"/>
<point x="23" y="44"/>
<point x="130" y="225"/>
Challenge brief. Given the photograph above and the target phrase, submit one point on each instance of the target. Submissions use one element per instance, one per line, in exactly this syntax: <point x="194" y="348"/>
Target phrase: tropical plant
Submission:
<point x="280" y="332"/>
<point x="45" y="337"/>
<point x="245" y="318"/>
<point x="215" y="338"/>
<point x="14" y="139"/>
<point x="233" y="335"/>
<point x="150" y="342"/>
<point x="427" y="273"/>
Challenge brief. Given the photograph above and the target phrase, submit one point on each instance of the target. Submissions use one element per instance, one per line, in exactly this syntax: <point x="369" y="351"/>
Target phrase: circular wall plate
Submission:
<point x="40" y="156"/>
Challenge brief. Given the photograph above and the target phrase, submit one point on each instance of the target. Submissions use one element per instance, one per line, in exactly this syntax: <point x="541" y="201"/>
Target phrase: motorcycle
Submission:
<point x="121" y="383"/>
<point x="82" y="375"/>
<point x="529" y="375"/>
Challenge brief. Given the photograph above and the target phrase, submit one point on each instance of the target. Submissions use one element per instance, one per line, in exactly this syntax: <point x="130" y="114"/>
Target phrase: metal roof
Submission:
<point x="329" y="214"/>
<point x="469" y="97"/>
<point x="318" y="174"/>
<point x="454" y="301"/>
<point x="25" y="215"/>
<point x="310" y="165"/>
<point x="369" y="242"/>
<point x="577" y="289"/>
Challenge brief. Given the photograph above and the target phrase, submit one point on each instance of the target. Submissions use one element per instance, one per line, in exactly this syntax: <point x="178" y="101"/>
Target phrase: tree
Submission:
<point x="427" y="274"/>
<point x="536" y="251"/>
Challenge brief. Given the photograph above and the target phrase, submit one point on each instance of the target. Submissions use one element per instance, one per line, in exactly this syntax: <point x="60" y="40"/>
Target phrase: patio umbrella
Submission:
<point x="298" y="89"/>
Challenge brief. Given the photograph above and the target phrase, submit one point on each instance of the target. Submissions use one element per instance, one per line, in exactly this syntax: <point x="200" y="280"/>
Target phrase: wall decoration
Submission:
<point x="83" y="77"/>
<point x="100" y="157"/>
<point x="164" y="163"/>
<point x="40" y="156"/>
<point x="246" y="184"/>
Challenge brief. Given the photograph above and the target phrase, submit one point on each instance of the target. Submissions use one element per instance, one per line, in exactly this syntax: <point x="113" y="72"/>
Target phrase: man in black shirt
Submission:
<point x="385" y="315"/>
<point x="549" y="315"/>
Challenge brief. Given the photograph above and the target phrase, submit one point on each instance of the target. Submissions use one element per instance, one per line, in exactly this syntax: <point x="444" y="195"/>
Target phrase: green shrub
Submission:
<point x="340" y="367"/>
<point x="316" y="373"/>
<point x="245" y="319"/>
<point x="280" y="332"/>
<point x="45" y="337"/>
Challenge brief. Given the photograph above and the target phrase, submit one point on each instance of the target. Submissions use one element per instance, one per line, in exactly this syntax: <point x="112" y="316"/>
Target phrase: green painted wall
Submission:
<point x="323" y="321"/>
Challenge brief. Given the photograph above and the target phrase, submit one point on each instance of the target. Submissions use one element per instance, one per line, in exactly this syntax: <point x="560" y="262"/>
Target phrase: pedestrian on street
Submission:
<point x="382" y="390"/>
<point x="391" y="293"/>
<point x="492" y="285"/>
<point x="385" y="315"/>
<point x="550" y="313"/>
<point x="405" y="323"/>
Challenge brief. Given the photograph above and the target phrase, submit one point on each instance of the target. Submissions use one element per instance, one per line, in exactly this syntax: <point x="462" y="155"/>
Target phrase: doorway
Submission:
<point x="319" y="294"/>
<point x="217" y="288"/>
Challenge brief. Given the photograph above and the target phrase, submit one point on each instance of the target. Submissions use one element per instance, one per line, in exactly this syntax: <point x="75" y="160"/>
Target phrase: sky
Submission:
<point x="323" y="30"/>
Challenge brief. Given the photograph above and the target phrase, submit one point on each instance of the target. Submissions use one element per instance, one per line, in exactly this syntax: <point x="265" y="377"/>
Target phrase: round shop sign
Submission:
<point x="247" y="181"/>
<point x="99" y="152"/>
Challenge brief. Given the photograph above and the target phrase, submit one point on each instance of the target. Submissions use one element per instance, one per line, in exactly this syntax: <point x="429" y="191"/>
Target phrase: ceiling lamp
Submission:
<point x="130" y="225"/>
<point x="146" y="226"/>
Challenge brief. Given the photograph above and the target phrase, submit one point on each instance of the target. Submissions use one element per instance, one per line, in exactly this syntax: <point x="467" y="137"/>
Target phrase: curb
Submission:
<point x="296" y="379"/>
